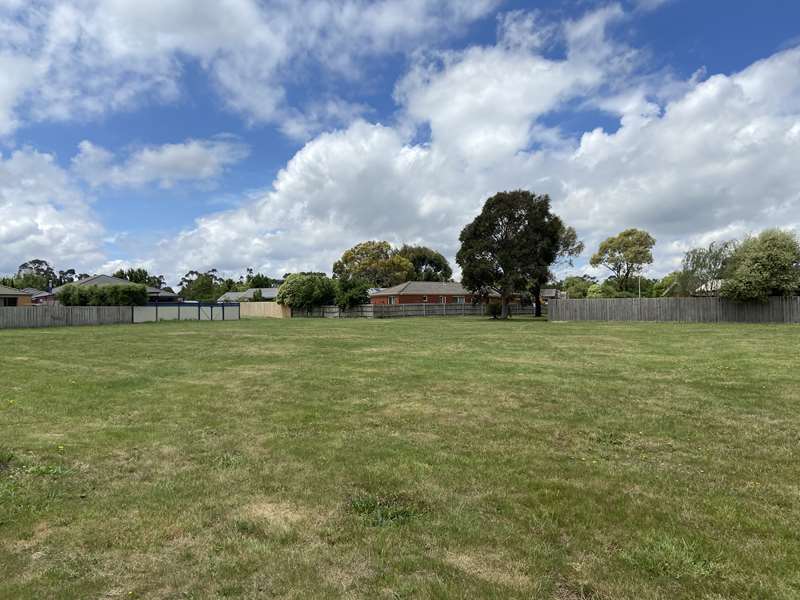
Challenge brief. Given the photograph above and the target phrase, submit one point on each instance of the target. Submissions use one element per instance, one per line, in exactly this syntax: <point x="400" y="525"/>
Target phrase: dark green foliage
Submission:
<point x="494" y="309"/>
<point x="103" y="295"/>
<point x="141" y="276"/>
<point x="204" y="287"/>
<point x="577" y="287"/>
<point x="429" y="265"/>
<point x="307" y="291"/>
<point x="763" y="266"/>
<point x="351" y="292"/>
<point x="510" y="245"/>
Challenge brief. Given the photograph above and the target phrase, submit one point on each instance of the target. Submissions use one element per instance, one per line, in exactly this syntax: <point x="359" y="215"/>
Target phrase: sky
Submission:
<point x="274" y="134"/>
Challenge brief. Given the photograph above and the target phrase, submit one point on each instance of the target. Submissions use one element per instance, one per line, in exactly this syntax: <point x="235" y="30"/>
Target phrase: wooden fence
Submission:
<point x="690" y="310"/>
<point x="55" y="315"/>
<point x="265" y="309"/>
<point x="388" y="311"/>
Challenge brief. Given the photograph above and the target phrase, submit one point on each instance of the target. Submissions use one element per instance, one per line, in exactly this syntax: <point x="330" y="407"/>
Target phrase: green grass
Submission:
<point x="419" y="458"/>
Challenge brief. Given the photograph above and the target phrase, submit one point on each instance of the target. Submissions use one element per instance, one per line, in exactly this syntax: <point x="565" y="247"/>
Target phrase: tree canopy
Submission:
<point x="625" y="254"/>
<point x="203" y="287"/>
<point x="303" y="291"/>
<point x="429" y="265"/>
<point x="705" y="268"/>
<point x="511" y="244"/>
<point x="139" y="275"/>
<point x="763" y="266"/>
<point x="374" y="262"/>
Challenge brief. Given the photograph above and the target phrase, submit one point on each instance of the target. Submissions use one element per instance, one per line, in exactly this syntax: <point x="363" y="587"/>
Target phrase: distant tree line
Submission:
<point x="750" y="270"/>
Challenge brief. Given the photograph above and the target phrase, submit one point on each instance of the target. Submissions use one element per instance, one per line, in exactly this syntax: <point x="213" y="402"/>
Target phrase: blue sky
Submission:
<point x="200" y="134"/>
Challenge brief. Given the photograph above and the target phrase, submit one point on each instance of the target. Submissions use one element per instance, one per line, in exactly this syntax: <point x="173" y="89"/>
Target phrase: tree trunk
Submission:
<point x="537" y="300"/>
<point x="504" y="312"/>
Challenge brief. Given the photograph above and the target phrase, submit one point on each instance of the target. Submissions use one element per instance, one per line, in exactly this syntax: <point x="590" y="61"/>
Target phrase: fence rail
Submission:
<point x="690" y="310"/>
<point x="55" y="315"/>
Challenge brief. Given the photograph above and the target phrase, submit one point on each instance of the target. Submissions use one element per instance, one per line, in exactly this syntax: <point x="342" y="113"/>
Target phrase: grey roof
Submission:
<point x="101" y="280"/>
<point x="266" y="294"/>
<point x="7" y="291"/>
<point x="549" y="293"/>
<point x="426" y="288"/>
<point x="37" y="293"/>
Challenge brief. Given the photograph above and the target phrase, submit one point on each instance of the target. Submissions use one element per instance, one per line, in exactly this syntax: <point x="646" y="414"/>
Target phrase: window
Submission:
<point x="460" y="300"/>
<point x="443" y="299"/>
<point x="425" y="299"/>
<point x="392" y="299"/>
<point x="9" y="302"/>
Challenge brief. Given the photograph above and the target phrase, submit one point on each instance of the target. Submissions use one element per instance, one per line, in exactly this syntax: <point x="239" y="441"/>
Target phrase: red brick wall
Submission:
<point x="419" y="299"/>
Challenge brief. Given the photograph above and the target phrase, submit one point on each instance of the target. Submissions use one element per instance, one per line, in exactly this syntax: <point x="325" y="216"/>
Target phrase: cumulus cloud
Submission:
<point x="714" y="158"/>
<point x="75" y="59"/>
<point x="44" y="215"/>
<point x="168" y="164"/>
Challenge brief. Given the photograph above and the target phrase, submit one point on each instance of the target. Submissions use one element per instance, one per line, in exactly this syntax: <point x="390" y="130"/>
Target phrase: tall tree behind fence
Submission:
<point x="690" y="310"/>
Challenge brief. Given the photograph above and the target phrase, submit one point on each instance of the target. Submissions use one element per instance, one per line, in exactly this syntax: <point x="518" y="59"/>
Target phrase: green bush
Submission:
<point x="106" y="295"/>
<point x="306" y="291"/>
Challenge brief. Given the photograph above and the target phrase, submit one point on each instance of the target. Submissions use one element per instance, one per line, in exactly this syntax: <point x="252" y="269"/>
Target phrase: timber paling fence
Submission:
<point x="389" y="311"/>
<point x="689" y="310"/>
<point x="55" y="315"/>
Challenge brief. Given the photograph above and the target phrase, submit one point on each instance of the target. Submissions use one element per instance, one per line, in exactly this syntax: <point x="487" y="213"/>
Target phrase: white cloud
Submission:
<point x="75" y="59"/>
<point x="168" y="164"/>
<point x="716" y="159"/>
<point x="44" y="215"/>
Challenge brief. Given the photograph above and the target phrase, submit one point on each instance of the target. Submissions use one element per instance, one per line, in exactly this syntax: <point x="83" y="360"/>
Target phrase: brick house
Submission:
<point x="425" y="292"/>
<point x="13" y="297"/>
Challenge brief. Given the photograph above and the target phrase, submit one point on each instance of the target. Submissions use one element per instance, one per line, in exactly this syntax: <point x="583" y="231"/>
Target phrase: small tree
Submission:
<point x="510" y="245"/>
<point x="576" y="287"/>
<point x="764" y="266"/>
<point x="625" y="255"/>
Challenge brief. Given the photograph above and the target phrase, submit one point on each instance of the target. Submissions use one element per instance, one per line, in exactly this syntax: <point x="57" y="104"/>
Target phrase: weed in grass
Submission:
<point x="665" y="556"/>
<point x="7" y="458"/>
<point x="381" y="510"/>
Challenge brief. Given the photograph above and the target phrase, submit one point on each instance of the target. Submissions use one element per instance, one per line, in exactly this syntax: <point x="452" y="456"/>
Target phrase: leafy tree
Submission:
<point x="763" y="266"/>
<point x="578" y="286"/>
<point x="306" y="291"/>
<point x="257" y="296"/>
<point x="669" y="286"/>
<point x="569" y="247"/>
<point x="374" y="262"/>
<point x="429" y="265"/>
<point x="625" y="255"/>
<point x="36" y="273"/>
<point x="705" y="268"/>
<point x="204" y="287"/>
<point x="351" y="292"/>
<point x="510" y="245"/>
<point x="141" y="276"/>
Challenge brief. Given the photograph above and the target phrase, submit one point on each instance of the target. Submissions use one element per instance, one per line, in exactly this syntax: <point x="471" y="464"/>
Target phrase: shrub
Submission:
<point x="107" y="295"/>
<point x="351" y="292"/>
<point x="494" y="309"/>
<point x="306" y="291"/>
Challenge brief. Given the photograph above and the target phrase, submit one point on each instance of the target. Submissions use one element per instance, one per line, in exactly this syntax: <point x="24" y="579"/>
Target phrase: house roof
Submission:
<point x="101" y="280"/>
<point x="266" y="294"/>
<point x="426" y="288"/>
<point x="7" y="291"/>
<point x="37" y="293"/>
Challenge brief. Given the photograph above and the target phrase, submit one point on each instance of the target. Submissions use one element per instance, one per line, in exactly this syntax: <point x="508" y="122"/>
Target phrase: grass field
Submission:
<point x="419" y="458"/>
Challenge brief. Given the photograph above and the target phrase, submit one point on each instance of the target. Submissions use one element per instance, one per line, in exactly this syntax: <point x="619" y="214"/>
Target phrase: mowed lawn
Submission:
<point x="419" y="458"/>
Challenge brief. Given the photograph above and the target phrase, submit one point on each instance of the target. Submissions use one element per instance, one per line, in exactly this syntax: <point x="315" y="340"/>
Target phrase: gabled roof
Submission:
<point x="266" y="294"/>
<point x="7" y="291"/>
<point x="101" y="280"/>
<point x="426" y="288"/>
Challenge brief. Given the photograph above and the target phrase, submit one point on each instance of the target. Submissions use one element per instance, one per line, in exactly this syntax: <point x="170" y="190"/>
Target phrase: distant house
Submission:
<point x="548" y="294"/>
<point x="14" y="297"/>
<point x="267" y="295"/>
<point x="39" y="296"/>
<point x="425" y="292"/>
<point x="153" y="294"/>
